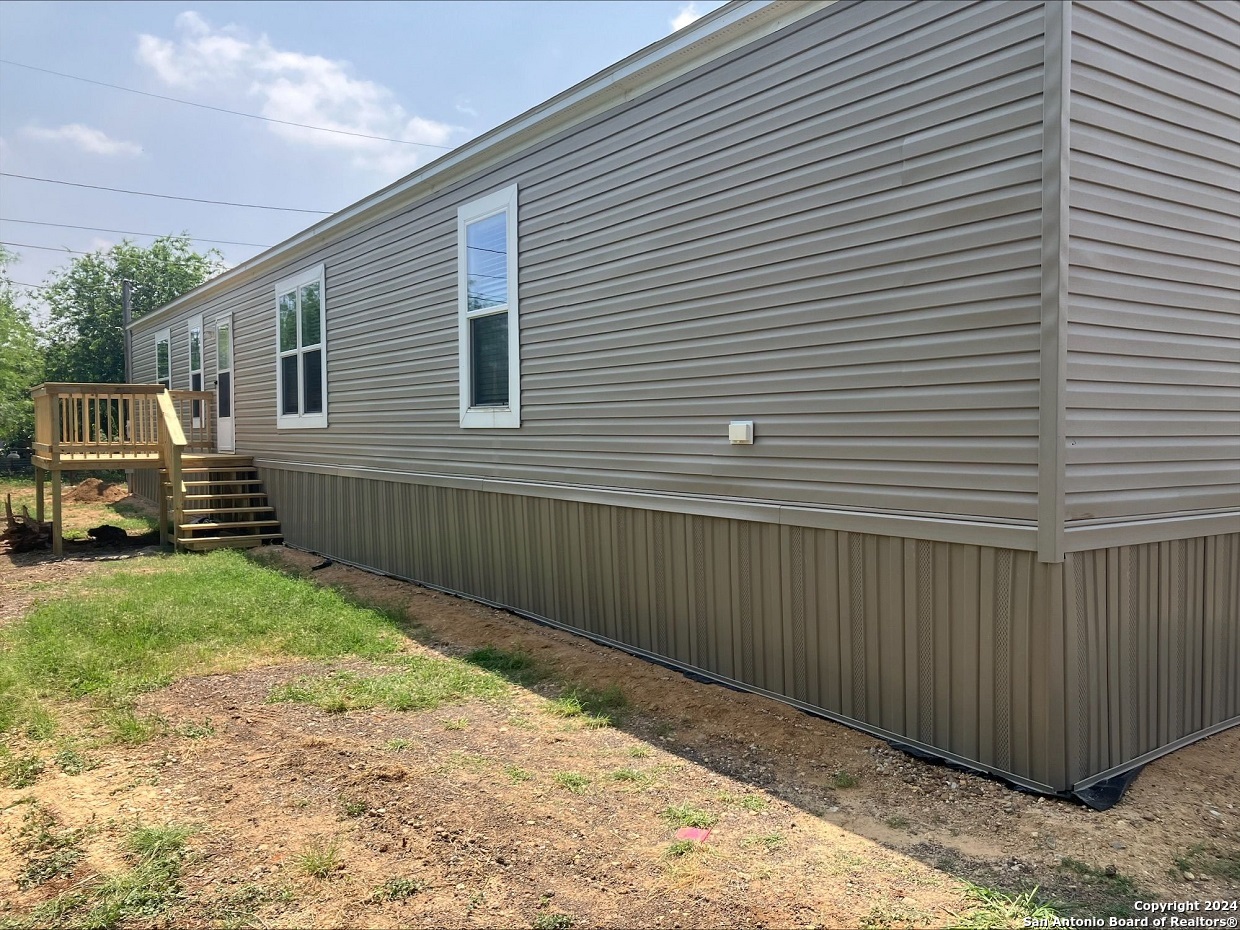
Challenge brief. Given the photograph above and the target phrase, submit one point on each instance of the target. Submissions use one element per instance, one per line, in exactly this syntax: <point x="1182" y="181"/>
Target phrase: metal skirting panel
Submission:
<point x="949" y="646"/>
<point x="1155" y="632"/>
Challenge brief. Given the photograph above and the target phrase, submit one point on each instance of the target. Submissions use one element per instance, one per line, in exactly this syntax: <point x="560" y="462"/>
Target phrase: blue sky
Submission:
<point x="428" y="72"/>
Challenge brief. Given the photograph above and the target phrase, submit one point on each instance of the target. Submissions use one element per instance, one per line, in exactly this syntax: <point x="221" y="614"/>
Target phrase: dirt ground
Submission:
<point x="442" y="798"/>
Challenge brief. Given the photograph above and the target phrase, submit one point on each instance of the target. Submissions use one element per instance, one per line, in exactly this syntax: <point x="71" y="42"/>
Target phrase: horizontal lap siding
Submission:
<point x="948" y="645"/>
<point x="1153" y="403"/>
<point x="833" y="231"/>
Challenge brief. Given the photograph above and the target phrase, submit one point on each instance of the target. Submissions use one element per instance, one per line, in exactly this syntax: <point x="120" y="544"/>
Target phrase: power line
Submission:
<point x="38" y="287"/>
<point x="203" y="106"/>
<point x="130" y="232"/>
<point x="119" y="190"/>
<point x="45" y="248"/>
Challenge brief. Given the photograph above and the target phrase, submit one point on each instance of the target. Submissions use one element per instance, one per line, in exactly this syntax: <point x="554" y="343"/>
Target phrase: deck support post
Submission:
<point x="58" y="541"/>
<point x="40" y="478"/>
<point x="164" y="491"/>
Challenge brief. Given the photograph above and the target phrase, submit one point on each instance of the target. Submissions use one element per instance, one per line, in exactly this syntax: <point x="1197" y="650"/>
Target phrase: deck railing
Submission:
<point x="116" y="423"/>
<point x="196" y="412"/>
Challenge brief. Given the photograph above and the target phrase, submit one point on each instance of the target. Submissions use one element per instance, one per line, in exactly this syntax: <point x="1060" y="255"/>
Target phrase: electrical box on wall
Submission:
<point x="740" y="432"/>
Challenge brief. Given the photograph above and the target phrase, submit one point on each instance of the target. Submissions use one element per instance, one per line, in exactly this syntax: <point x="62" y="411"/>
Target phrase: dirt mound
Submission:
<point x="96" y="491"/>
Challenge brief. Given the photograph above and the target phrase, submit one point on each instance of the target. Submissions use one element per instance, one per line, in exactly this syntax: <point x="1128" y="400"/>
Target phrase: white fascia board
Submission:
<point x="714" y="35"/>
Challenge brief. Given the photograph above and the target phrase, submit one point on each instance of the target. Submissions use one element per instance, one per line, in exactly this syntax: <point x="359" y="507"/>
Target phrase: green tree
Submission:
<point x="85" y="338"/>
<point x="21" y="362"/>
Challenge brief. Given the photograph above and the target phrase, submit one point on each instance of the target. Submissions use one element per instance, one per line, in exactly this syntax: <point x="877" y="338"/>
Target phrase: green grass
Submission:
<point x="19" y="771"/>
<point x="320" y="859"/>
<point x="753" y="803"/>
<point x="770" y="842"/>
<point x="995" y="909"/>
<point x="48" y="851"/>
<point x="456" y="723"/>
<point x="397" y="889"/>
<point x="516" y="774"/>
<point x="592" y="708"/>
<point x="552" y="920"/>
<point x="72" y="762"/>
<point x="573" y="781"/>
<point x="353" y="807"/>
<point x="517" y="667"/>
<point x="420" y="683"/>
<point x="396" y="745"/>
<point x="681" y="848"/>
<point x="842" y="779"/>
<point x="633" y="777"/>
<point x="117" y="635"/>
<point x="1201" y="859"/>
<point x="1107" y="893"/>
<point x="896" y="822"/>
<point x="682" y="815"/>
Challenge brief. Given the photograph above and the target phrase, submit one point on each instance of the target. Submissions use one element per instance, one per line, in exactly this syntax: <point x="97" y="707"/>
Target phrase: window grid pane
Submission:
<point x="488" y="343"/>
<point x="288" y="385"/>
<point x="288" y="322"/>
<point x="310" y="329"/>
<point x="312" y="379"/>
<point x="486" y="249"/>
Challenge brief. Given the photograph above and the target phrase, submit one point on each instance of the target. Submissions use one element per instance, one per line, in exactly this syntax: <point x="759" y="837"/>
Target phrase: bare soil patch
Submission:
<point x="502" y="814"/>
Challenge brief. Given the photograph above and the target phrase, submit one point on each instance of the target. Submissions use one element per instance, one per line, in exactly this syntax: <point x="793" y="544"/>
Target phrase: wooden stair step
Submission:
<point x="240" y="495"/>
<point x="207" y="484"/>
<point x="203" y="543"/>
<point x="210" y="510"/>
<point x="226" y="525"/>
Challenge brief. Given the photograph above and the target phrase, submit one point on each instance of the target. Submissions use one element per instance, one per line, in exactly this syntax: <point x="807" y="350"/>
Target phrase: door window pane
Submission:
<point x="161" y="360"/>
<point x="224" y="394"/>
<point x="488" y="338"/>
<point x="223" y="348"/>
<point x="195" y="350"/>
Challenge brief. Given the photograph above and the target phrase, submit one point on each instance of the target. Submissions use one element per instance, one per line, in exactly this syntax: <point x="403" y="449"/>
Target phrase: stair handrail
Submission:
<point x="171" y="447"/>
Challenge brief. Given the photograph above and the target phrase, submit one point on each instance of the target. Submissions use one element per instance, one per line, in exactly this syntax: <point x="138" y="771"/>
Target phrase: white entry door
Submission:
<point x="226" y="438"/>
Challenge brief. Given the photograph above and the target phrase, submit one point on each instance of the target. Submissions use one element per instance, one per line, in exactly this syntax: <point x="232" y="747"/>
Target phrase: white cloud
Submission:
<point x="688" y="13"/>
<point x="297" y="88"/>
<point x="92" y="141"/>
<point x="462" y="106"/>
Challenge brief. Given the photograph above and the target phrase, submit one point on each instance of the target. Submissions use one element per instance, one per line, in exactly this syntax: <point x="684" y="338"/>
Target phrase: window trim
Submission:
<point x="293" y="283"/>
<point x="503" y="200"/>
<point x="163" y="335"/>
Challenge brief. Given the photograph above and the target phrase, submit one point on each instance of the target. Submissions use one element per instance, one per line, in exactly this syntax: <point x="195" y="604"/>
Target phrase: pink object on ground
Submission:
<point x="692" y="833"/>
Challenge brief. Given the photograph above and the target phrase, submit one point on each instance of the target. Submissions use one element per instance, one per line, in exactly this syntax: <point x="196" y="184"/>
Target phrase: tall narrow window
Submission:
<point x="301" y="351"/>
<point x="195" y="367"/>
<point x="488" y="330"/>
<point x="163" y="358"/>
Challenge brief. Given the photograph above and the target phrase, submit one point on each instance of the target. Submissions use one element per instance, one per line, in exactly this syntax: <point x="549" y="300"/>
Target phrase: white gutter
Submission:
<point x="714" y="35"/>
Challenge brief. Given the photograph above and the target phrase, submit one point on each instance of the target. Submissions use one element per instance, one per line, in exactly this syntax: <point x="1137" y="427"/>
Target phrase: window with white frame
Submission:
<point x="488" y="333"/>
<point x="301" y="351"/>
<point x="163" y="358"/>
<point x="195" y="367"/>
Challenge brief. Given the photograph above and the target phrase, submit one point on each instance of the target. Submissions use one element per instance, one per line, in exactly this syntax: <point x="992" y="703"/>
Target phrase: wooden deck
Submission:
<point x="80" y="427"/>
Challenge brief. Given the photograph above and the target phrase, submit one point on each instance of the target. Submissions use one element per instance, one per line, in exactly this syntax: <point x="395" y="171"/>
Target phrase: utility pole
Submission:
<point x="126" y="314"/>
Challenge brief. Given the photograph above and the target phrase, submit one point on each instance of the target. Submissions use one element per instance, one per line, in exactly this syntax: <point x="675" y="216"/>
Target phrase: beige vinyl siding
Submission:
<point x="833" y="231"/>
<point x="1153" y="392"/>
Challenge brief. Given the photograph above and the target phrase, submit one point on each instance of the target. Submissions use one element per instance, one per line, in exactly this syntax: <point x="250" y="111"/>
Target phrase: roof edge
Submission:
<point x="716" y="34"/>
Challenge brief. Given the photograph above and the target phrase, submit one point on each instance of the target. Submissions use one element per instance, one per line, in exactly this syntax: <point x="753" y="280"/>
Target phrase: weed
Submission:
<point x="993" y="909"/>
<point x="552" y="920"/>
<point x="594" y="709"/>
<point x="320" y="858"/>
<point x="235" y="910"/>
<point x="424" y="683"/>
<point x="518" y="774"/>
<point x="633" y="777"/>
<point x="127" y="727"/>
<point x="1112" y="892"/>
<point x="397" y="889"/>
<point x="770" y="842"/>
<point x="19" y="771"/>
<point x="573" y="781"/>
<point x="49" y="852"/>
<point x="517" y="667"/>
<point x="1209" y="860"/>
<point x="456" y="723"/>
<point x="353" y="808"/>
<point x="639" y="752"/>
<point x="896" y="822"/>
<point x="151" y="886"/>
<point x="753" y="803"/>
<point x="681" y="848"/>
<point x="72" y="762"/>
<point x="682" y="815"/>
<point x="197" y="730"/>
<point x="396" y="745"/>
<point x="664" y="730"/>
<point x="842" y="779"/>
